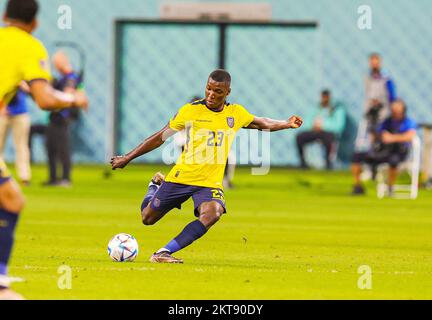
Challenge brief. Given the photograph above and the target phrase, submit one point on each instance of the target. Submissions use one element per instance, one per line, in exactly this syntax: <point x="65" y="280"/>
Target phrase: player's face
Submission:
<point x="325" y="99"/>
<point x="397" y="109"/>
<point x="375" y="63"/>
<point x="216" y="93"/>
<point x="61" y="62"/>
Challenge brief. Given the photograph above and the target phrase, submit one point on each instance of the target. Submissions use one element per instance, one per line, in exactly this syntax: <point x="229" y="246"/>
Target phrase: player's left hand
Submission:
<point x="295" y="122"/>
<point x="119" y="162"/>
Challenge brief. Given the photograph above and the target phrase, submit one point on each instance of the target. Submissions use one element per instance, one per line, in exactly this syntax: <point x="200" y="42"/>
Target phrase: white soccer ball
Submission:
<point x="123" y="247"/>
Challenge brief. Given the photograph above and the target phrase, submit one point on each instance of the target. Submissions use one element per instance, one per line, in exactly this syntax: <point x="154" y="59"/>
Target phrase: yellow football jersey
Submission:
<point x="209" y="136"/>
<point x="22" y="57"/>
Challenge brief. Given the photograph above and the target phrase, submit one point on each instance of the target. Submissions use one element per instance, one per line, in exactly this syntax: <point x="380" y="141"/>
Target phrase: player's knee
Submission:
<point x="12" y="198"/>
<point x="210" y="213"/>
<point x="17" y="203"/>
<point x="147" y="221"/>
<point x="210" y="218"/>
<point x="215" y="216"/>
<point x="20" y="204"/>
<point x="147" y="218"/>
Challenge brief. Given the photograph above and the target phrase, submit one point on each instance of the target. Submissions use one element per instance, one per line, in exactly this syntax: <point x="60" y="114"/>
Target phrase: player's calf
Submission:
<point x="11" y="203"/>
<point x="210" y="213"/>
<point x="193" y="231"/>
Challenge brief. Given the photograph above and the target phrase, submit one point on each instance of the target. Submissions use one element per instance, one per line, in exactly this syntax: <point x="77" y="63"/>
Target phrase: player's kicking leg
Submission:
<point x="11" y="204"/>
<point x="209" y="213"/>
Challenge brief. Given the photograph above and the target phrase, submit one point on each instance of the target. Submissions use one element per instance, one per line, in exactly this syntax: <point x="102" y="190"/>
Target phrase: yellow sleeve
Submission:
<point x="35" y="64"/>
<point x="245" y="117"/>
<point x="178" y="121"/>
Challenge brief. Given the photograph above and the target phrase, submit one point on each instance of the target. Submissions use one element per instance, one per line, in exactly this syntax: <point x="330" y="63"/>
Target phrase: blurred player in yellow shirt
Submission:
<point x="210" y="125"/>
<point x="22" y="58"/>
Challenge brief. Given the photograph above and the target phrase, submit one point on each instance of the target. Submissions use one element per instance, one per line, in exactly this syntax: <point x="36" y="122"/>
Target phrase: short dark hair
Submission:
<point x="220" y="75"/>
<point x="374" y="55"/>
<point x="325" y="92"/>
<point x="22" y="10"/>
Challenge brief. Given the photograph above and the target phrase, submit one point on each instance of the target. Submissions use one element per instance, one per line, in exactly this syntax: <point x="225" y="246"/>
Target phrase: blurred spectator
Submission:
<point x="57" y="131"/>
<point x="39" y="124"/>
<point x="380" y="92"/>
<point x="36" y="129"/>
<point x="325" y="124"/>
<point x="16" y="118"/>
<point x="391" y="145"/>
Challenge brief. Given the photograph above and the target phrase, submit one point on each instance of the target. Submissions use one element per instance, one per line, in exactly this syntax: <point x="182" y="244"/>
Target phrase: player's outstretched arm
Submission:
<point x="47" y="98"/>
<point x="149" y="144"/>
<point x="260" y="123"/>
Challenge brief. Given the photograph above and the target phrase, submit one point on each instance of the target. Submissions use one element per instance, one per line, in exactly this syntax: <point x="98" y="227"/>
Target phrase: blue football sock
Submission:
<point x="8" y="221"/>
<point x="149" y="196"/>
<point x="190" y="233"/>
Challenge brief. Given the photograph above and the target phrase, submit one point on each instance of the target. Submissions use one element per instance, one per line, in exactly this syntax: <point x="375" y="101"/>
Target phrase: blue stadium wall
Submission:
<point x="276" y="72"/>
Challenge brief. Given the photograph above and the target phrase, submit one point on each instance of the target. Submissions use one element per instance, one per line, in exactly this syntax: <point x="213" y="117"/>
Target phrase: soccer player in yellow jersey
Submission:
<point x="22" y="58"/>
<point x="210" y="125"/>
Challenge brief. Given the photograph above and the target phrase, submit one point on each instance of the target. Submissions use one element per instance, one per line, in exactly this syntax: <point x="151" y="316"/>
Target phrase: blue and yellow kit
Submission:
<point x="209" y="136"/>
<point x="22" y="58"/>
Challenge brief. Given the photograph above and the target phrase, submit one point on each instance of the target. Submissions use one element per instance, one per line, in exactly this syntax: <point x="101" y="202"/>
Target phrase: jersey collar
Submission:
<point x="203" y="102"/>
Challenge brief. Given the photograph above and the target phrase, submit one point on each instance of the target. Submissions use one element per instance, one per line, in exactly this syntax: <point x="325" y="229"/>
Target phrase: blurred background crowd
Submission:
<point x="363" y="92"/>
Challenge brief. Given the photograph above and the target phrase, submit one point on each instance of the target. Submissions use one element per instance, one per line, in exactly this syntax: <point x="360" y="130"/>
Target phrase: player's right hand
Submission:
<point x="119" y="162"/>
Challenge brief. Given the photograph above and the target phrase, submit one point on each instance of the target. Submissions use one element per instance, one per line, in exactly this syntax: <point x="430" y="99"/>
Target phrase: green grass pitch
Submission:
<point x="287" y="235"/>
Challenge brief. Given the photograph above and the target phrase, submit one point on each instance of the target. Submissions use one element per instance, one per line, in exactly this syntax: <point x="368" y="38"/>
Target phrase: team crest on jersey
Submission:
<point x="156" y="202"/>
<point x="230" y="121"/>
<point x="44" y="65"/>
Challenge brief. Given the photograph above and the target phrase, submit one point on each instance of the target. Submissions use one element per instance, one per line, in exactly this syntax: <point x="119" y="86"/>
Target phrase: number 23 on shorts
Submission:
<point x="217" y="194"/>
